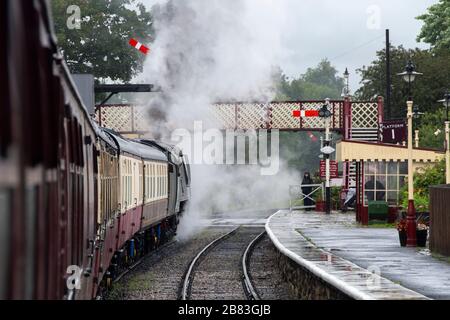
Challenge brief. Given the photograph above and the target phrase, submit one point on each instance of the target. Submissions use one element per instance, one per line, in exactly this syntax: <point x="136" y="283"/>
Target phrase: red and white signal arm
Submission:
<point x="139" y="46"/>
<point x="305" y="113"/>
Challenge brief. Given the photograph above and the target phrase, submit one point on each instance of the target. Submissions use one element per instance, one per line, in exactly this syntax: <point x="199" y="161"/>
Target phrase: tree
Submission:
<point x="429" y="124"/>
<point x="429" y="176"/>
<point x="317" y="83"/>
<point x="299" y="151"/>
<point x="427" y="89"/>
<point x="100" y="44"/>
<point x="324" y="75"/>
<point x="436" y="28"/>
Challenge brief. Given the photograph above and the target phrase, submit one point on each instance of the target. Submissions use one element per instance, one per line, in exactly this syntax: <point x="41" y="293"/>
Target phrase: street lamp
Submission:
<point x="446" y="103"/>
<point x="409" y="75"/>
<point x="346" y="90"/>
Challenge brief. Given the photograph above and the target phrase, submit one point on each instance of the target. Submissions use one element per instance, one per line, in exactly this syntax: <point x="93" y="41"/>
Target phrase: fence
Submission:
<point x="297" y="195"/>
<point x="440" y="220"/>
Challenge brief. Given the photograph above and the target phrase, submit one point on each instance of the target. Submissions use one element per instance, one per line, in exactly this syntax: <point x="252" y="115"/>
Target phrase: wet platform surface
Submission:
<point x="364" y="263"/>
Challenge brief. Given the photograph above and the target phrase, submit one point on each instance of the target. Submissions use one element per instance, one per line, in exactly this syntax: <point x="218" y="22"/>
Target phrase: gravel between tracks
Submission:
<point x="265" y="273"/>
<point x="160" y="274"/>
<point x="219" y="275"/>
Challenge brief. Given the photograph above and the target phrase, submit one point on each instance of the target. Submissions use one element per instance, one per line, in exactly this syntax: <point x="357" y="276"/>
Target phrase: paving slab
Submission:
<point x="364" y="263"/>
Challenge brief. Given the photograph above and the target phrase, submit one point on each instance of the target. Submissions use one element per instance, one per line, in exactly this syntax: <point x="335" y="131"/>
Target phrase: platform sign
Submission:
<point x="393" y="131"/>
<point x="334" y="169"/>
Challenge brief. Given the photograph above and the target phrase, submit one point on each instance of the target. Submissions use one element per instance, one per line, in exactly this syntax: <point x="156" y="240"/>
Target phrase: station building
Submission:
<point x="380" y="171"/>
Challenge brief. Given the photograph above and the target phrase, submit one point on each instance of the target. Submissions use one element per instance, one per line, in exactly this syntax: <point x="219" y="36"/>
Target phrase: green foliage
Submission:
<point x="336" y="197"/>
<point x="428" y="124"/>
<point x="427" y="89"/>
<point x="436" y="28"/>
<point x="317" y="83"/>
<point x="426" y="177"/>
<point x="299" y="151"/>
<point x="101" y="46"/>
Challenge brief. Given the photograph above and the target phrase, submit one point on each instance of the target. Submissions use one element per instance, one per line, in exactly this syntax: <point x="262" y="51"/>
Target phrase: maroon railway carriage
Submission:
<point x="47" y="172"/>
<point x="72" y="196"/>
<point x="143" y="199"/>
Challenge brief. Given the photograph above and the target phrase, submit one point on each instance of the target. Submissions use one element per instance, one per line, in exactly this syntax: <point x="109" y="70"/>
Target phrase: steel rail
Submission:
<point x="187" y="282"/>
<point x="249" y="288"/>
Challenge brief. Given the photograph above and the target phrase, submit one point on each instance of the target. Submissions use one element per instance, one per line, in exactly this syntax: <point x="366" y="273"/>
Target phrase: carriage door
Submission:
<point x="173" y="191"/>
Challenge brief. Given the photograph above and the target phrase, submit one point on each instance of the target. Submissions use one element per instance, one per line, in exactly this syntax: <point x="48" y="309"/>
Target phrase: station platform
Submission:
<point x="363" y="263"/>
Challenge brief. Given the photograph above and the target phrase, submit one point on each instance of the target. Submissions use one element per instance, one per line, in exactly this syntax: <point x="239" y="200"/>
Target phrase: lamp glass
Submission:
<point x="409" y="77"/>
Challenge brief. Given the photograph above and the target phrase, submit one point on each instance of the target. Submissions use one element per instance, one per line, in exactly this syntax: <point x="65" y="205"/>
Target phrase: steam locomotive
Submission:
<point x="77" y="202"/>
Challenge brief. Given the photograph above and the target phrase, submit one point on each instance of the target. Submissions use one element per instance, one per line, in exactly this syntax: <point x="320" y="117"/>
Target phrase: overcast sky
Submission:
<point x="347" y="32"/>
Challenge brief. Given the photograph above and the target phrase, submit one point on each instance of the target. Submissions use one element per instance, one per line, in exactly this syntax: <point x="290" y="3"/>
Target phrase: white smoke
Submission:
<point x="207" y="51"/>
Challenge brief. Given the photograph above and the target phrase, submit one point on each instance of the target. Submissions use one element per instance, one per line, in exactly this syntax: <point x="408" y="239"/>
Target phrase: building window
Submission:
<point x="383" y="181"/>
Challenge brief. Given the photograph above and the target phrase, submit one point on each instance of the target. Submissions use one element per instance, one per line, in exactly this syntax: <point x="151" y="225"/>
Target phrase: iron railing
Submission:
<point x="296" y="195"/>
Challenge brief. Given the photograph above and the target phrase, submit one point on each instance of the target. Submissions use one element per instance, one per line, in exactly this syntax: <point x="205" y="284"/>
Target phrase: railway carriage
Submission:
<point x="107" y="203"/>
<point x="47" y="176"/>
<point x="179" y="175"/>
<point x="73" y="196"/>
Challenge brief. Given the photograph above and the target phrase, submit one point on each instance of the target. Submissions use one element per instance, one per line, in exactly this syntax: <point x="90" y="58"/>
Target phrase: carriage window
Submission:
<point x="164" y="181"/>
<point x="166" y="177"/>
<point x="123" y="190"/>
<point x="80" y="146"/>
<point x="148" y="182"/>
<point x="159" y="182"/>
<point x="71" y="142"/>
<point x="129" y="184"/>
<point x="153" y="181"/>
<point x="158" y="187"/>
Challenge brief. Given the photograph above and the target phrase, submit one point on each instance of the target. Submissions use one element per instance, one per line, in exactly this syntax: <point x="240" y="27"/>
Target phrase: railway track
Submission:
<point x="220" y="270"/>
<point x="219" y="263"/>
<point x="158" y="275"/>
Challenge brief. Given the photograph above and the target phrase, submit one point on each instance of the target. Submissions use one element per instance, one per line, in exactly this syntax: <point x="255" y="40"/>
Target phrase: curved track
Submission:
<point x="249" y="287"/>
<point x="220" y="269"/>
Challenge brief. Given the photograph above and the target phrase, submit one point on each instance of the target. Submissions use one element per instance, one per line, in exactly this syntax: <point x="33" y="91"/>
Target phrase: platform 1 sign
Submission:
<point x="334" y="169"/>
<point x="393" y="132"/>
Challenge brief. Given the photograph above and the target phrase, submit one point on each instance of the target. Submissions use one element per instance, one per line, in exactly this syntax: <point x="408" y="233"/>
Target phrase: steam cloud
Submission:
<point x="208" y="51"/>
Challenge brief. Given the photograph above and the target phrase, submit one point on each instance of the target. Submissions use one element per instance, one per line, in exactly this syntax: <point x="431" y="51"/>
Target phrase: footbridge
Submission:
<point x="355" y="120"/>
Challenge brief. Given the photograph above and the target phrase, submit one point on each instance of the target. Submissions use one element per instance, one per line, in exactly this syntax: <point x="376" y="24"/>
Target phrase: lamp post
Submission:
<point x="346" y="90"/>
<point x="327" y="150"/>
<point x="409" y="75"/>
<point x="446" y="102"/>
<point x="416" y="115"/>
